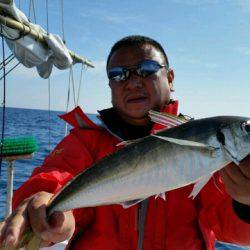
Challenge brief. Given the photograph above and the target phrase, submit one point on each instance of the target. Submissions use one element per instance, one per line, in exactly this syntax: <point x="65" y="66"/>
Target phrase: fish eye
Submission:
<point x="245" y="126"/>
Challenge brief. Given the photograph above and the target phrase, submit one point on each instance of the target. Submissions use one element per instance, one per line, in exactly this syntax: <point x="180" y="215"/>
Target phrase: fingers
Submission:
<point x="13" y="227"/>
<point x="58" y="227"/>
<point x="32" y="212"/>
<point x="245" y="167"/>
<point x="2" y="227"/>
<point x="230" y="185"/>
<point x="56" y="220"/>
<point x="62" y="226"/>
<point x="237" y="182"/>
<point x="235" y="173"/>
<point x="37" y="213"/>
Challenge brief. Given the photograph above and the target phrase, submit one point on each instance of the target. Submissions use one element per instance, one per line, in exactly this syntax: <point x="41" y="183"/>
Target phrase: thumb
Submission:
<point x="56" y="220"/>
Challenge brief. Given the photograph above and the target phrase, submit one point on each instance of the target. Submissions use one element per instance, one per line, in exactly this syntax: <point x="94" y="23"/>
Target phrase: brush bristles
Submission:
<point x="18" y="146"/>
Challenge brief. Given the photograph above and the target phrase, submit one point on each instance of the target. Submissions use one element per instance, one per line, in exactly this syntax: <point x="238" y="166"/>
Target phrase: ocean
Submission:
<point x="48" y="129"/>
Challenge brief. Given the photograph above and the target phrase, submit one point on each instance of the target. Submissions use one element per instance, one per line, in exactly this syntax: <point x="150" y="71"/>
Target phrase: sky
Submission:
<point x="207" y="42"/>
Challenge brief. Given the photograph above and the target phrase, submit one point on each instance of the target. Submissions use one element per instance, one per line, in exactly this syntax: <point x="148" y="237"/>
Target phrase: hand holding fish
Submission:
<point x="32" y="211"/>
<point x="237" y="180"/>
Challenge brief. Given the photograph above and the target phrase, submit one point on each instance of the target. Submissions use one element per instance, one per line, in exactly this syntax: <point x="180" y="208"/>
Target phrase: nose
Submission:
<point x="134" y="81"/>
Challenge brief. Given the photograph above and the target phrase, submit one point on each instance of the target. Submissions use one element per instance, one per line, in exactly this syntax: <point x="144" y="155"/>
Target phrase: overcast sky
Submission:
<point x="208" y="44"/>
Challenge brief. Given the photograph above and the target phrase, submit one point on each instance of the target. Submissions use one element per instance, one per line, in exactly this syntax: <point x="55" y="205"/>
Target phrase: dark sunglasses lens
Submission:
<point x="117" y="74"/>
<point x="148" y="68"/>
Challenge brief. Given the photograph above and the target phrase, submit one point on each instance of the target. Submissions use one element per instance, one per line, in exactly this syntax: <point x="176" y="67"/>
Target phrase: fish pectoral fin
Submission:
<point x="231" y="155"/>
<point x="166" y="119"/>
<point x="199" y="185"/>
<point x="127" y="204"/>
<point x="185" y="142"/>
<point x="128" y="142"/>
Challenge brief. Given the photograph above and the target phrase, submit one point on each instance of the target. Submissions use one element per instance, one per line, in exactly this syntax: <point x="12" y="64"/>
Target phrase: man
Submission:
<point x="140" y="80"/>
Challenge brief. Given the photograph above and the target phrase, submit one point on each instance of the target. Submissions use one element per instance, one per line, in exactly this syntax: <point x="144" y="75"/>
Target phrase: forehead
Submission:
<point x="131" y="55"/>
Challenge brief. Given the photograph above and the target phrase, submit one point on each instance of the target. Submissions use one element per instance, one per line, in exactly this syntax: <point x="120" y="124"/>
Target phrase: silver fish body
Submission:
<point x="172" y="159"/>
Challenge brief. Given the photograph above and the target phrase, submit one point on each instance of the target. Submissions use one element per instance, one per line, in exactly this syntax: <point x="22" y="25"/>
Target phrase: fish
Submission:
<point x="189" y="152"/>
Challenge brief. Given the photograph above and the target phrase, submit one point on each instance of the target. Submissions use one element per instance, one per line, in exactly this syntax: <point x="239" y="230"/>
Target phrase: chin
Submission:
<point x="142" y="113"/>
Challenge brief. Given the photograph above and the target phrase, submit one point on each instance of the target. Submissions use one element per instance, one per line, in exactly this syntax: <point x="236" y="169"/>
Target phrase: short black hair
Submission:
<point x="136" y="40"/>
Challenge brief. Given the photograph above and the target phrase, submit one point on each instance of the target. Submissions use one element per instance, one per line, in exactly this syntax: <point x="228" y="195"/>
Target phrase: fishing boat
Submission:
<point x="32" y="46"/>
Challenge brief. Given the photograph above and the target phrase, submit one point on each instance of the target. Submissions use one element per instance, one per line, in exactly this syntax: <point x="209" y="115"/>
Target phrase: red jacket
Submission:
<point x="177" y="223"/>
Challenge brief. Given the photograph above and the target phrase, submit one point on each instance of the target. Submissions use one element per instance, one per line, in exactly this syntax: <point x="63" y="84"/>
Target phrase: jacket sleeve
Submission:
<point x="217" y="215"/>
<point x="71" y="156"/>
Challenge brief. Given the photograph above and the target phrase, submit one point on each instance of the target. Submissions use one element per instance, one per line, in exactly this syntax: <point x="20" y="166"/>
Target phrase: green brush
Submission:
<point x="18" y="146"/>
<point x="12" y="149"/>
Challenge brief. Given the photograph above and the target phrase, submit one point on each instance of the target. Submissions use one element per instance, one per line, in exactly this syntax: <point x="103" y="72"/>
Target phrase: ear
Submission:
<point x="170" y="76"/>
<point x="110" y="85"/>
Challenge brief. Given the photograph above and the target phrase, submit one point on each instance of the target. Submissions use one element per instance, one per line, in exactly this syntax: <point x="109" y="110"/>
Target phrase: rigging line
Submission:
<point x="80" y="84"/>
<point x="5" y="74"/>
<point x="47" y="16"/>
<point x="32" y="7"/>
<point x="3" y="110"/>
<point x="67" y="103"/>
<point x="19" y="4"/>
<point x="47" y="21"/>
<point x="7" y="62"/>
<point x="34" y="11"/>
<point x="7" y="58"/>
<point x="29" y="10"/>
<point x="49" y="97"/>
<point x="73" y="85"/>
<point x="63" y="34"/>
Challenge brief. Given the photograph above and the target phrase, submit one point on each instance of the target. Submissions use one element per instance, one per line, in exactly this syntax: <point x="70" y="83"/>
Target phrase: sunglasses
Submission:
<point x="143" y="69"/>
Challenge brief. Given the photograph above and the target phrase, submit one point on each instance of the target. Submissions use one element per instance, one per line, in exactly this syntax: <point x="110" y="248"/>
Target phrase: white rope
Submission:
<point x="80" y="83"/>
<point x="32" y="7"/>
<point x="62" y="11"/>
<point x="29" y="10"/>
<point x="47" y="15"/>
<point x="71" y="82"/>
<point x="73" y="85"/>
<point x="49" y="107"/>
<point x="34" y="11"/>
<point x="67" y="103"/>
<point x="49" y="88"/>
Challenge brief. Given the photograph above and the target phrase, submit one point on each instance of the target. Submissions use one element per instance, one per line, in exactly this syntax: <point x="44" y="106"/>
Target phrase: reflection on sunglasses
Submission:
<point x="143" y="69"/>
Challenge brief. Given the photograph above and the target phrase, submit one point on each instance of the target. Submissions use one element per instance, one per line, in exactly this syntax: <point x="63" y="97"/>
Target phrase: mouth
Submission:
<point x="136" y="99"/>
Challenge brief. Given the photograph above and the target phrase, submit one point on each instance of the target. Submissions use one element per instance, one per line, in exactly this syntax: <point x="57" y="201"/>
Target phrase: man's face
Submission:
<point x="134" y="97"/>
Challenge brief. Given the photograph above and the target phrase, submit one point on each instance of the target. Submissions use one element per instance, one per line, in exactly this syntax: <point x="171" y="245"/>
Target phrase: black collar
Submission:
<point x="117" y="126"/>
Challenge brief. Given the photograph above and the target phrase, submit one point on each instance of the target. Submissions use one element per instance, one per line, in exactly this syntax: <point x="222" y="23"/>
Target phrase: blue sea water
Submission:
<point x="48" y="131"/>
<point x="29" y="122"/>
